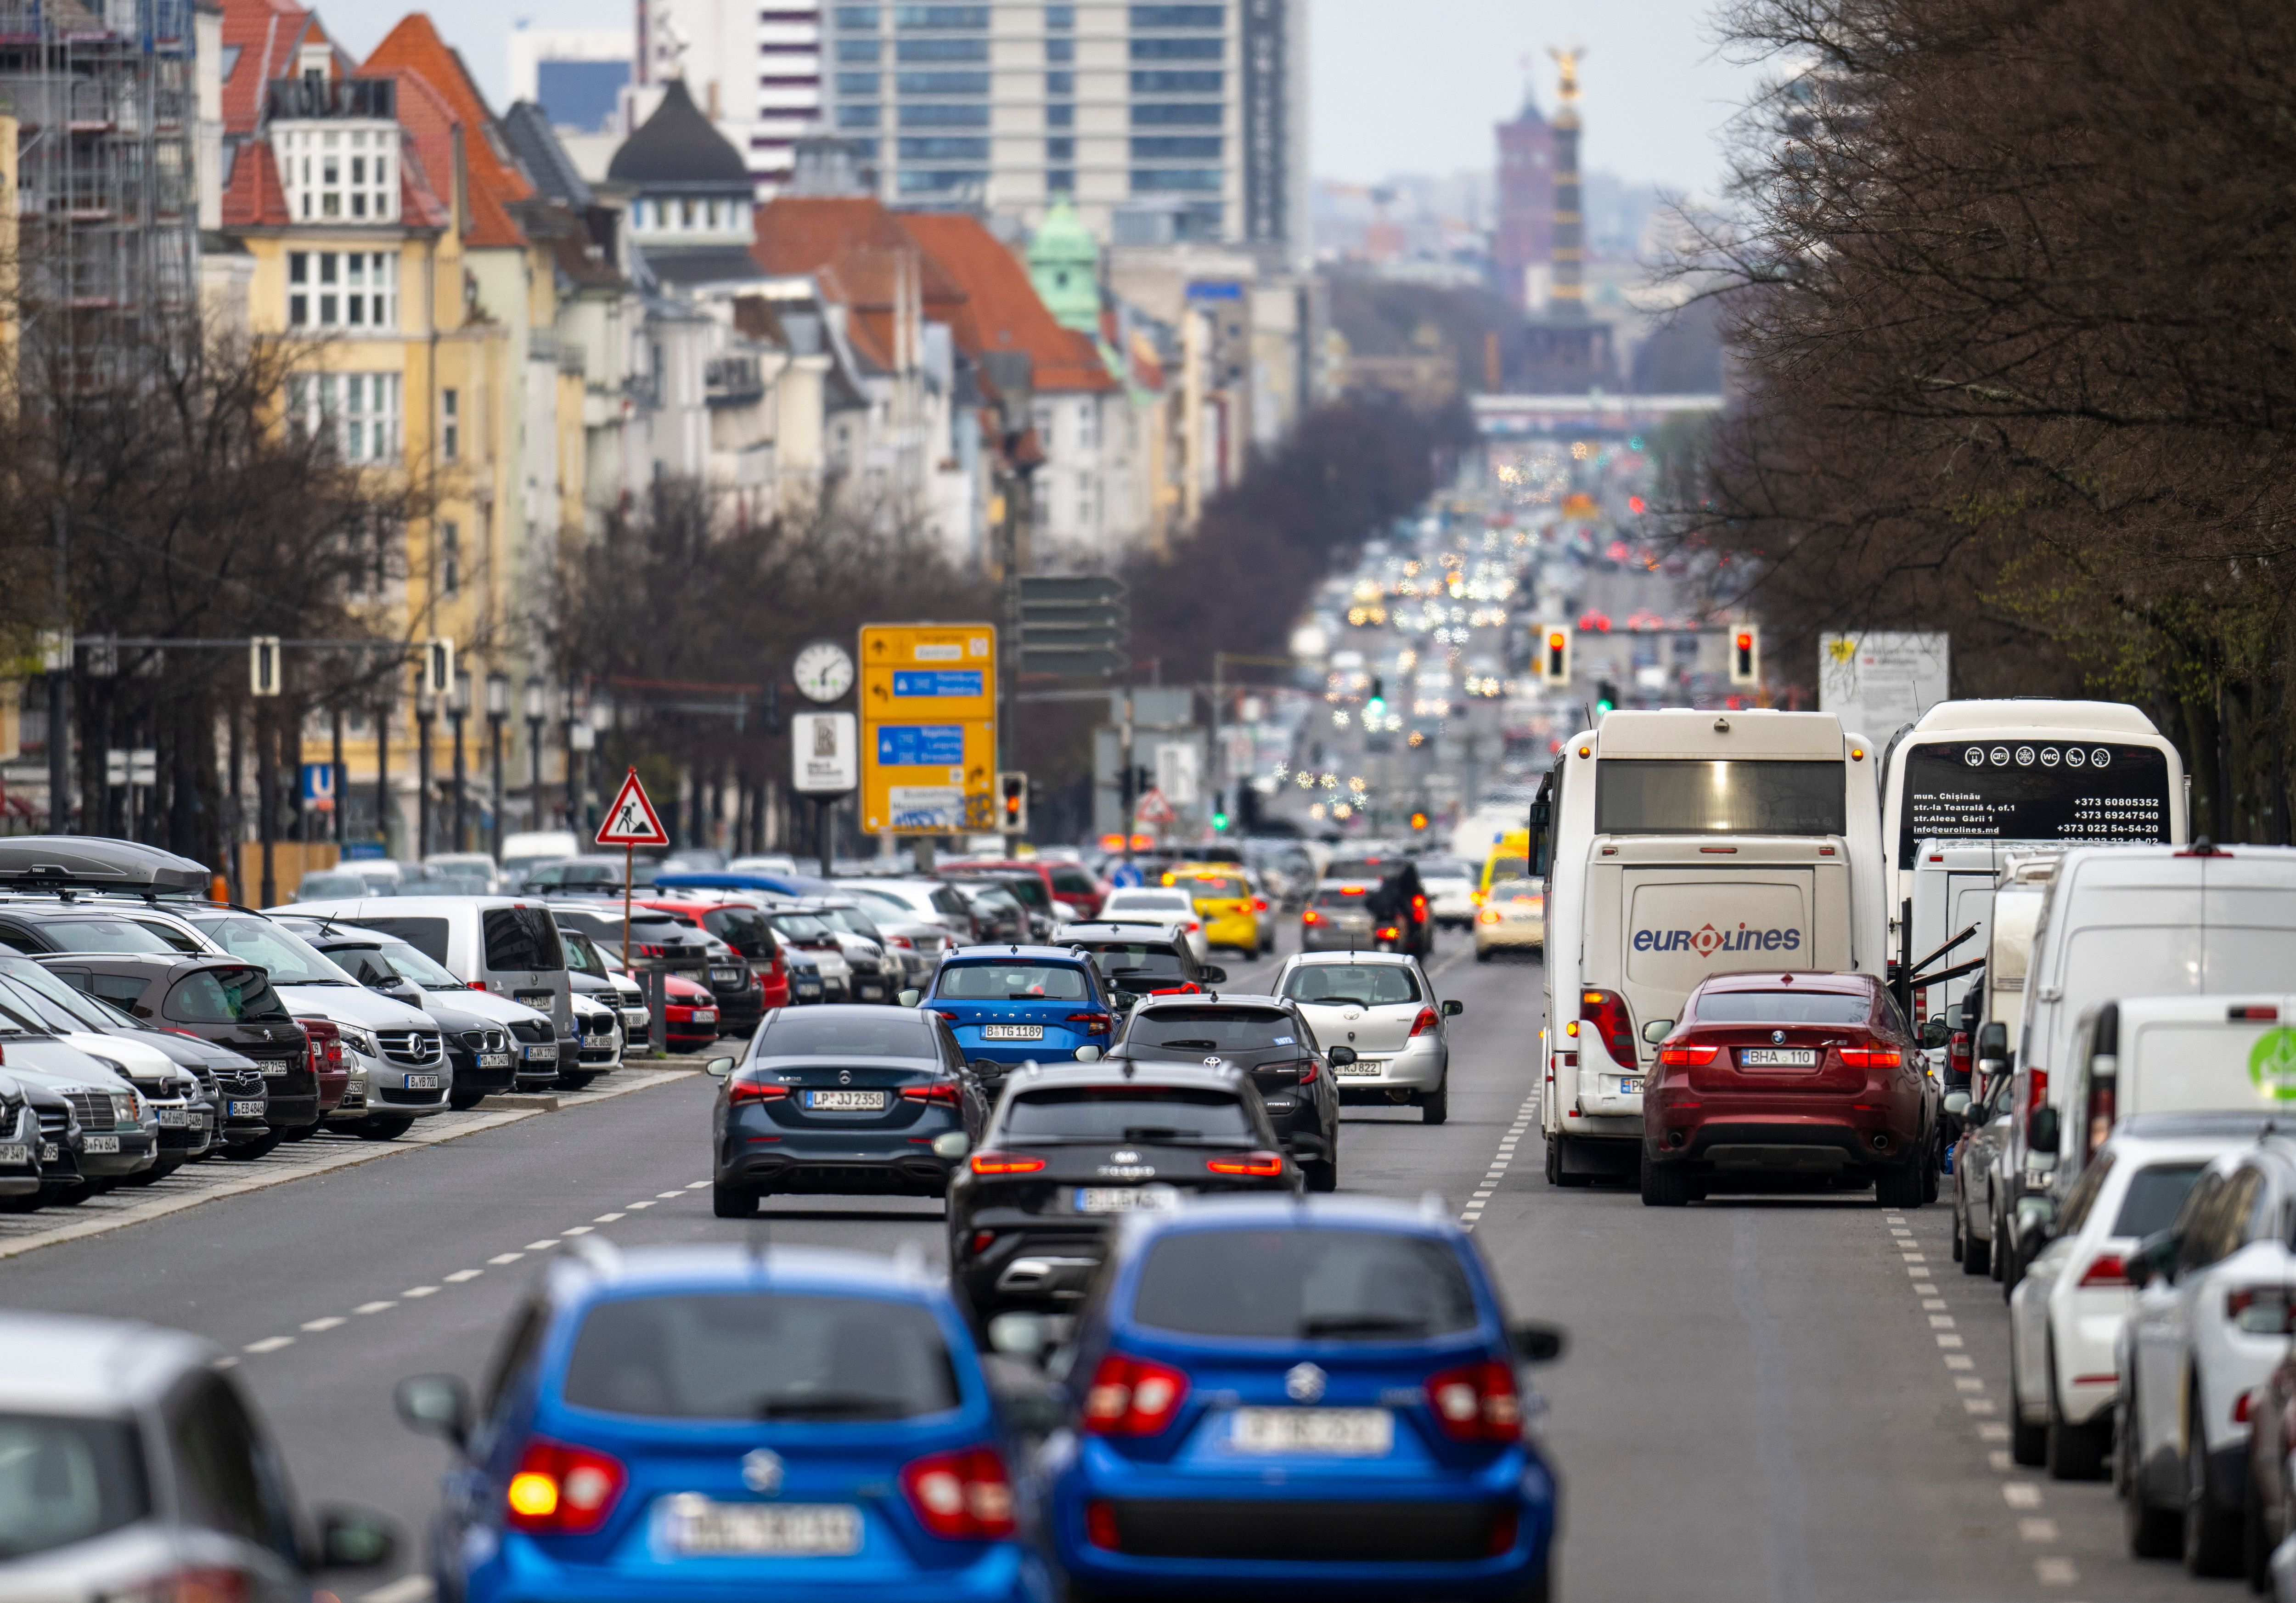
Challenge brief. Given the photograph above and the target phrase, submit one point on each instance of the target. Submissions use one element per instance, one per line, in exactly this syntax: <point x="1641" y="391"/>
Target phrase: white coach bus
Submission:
<point x="1679" y="845"/>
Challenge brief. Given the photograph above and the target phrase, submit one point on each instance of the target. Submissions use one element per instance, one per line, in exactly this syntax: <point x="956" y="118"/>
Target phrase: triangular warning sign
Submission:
<point x="631" y="820"/>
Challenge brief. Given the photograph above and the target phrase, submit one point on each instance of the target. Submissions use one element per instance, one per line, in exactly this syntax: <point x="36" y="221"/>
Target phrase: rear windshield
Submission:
<point x="1783" y="1007"/>
<point x="1645" y="796"/>
<point x="520" y="939"/>
<point x="64" y="1001"/>
<point x="744" y="929"/>
<point x="102" y="935"/>
<point x="1508" y="867"/>
<point x="852" y="920"/>
<point x="425" y="935"/>
<point x="1024" y="888"/>
<point x="1366" y="984"/>
<point x="1282" y="1285"/>
<point x="223" y="996"/>
<point x="1149" y="901"/>
<point x="2154" y="1196"/>
<point x="1126" y="1113"/>
<point x="1342" y="896"/>
<point x="1122" y="960"/>
<point x="1021" y="981"/>
<point x="1216" y="889"/>
<point x="1363" y="867"/>
<point x="1213" y="1029"/>
<point x="755" y="1355"/>
<point x="879" y="1032"/>
<point x="582" y="954"/>
<point x="64" y="1480"/>
<point x="802" y="927"/>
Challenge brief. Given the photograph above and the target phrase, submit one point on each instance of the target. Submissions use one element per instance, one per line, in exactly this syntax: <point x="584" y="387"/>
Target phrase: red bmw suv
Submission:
<point x="1807" y="1077"/>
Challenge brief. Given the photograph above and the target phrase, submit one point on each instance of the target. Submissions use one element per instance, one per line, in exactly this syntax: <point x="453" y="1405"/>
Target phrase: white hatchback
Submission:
<point x="1382" y="1006"/>
<point x="1152" y="904"/>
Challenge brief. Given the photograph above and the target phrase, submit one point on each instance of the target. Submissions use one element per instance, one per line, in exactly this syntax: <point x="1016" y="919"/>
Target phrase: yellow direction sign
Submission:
<point x="928" y="727"/>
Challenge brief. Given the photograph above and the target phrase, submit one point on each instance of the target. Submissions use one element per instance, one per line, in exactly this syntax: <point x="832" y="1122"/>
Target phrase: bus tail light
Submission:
<point x="1613" y="1026"/>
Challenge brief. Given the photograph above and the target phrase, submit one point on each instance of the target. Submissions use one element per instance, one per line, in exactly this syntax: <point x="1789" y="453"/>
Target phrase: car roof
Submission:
<point x="2197" y="1126"/>
<point x="600" y="1269"/>
<point x="1097" y="929"/>
<point x="54" y="1364"/>
<point x="1392" y="959"/>
<point x="1806" y="979"/>
<point x="1119" y="1071"/>
<point x="833" y="1010"/>
<point x="1214" y="999"/>
<point x="1047" y="954"/>
<point x="144" y="959"/>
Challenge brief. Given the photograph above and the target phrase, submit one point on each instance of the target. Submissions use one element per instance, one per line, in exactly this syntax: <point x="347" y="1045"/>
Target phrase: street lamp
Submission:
<point x="426" y="708"/>
<point x="536" y="698"/>
<point x="458" y="708"/>
<point x="498" y="711"/>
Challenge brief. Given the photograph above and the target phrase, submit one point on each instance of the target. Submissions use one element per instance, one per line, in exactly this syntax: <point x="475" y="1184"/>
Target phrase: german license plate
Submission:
<point x="845" y="1102"/>
<point x="422" y="1082"/>
<point x="15" y="1155"/>
<point x="547" y="1052"/>
<point x="1360" y="1070"/>
<point x="175" y="1118"/>
<point x="100" y="1144"/>
<point x="494" y="1060"/>
<point x="695" y="1524"/>
<point x="1126" y="1199"/>
<point x="274" y="1070"/>
<point x="726" y="977"/>
<point x="48" y="1153"/>
<point x="1360" y="1433"/>
<point x="1777" y="1057"/>
<point x="245" y="1110"/>
<point x="1011" y="1033"/>
<point x="705" y="1015"/>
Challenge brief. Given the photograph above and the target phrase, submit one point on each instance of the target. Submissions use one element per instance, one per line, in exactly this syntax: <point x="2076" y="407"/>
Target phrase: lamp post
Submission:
<point x="498" y="711"/>
<point x="382" y="768"/>
<point x="458" y="709"/>
<point x="426" y="708"/>
<point x="536" y="698"/>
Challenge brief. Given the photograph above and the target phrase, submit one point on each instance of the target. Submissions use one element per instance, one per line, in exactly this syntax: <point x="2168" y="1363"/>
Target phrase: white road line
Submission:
<point x="667" y="1195"/>
<point x="696" y="1186"/>
<point x="225" y="1363"/>
<point x="2020" y="1494"/>
<point x="1932" y="1303"/>
<point x="608" y="1218"/>
<point x="1924" y="1289"/>
<point x="501" y="1258"/>
<point x="2056" y="1572"/>
<point x="1967" y="1383"/>
<point x="420" y="1291"/>
<point x="460" y="1274"/>
<point x="1944" y="1340"/>
<point x="373" y="1307"/>
<point x="269" y="1343"/>
<point x="1978" y="1405"/>
<point x="1999" y="1457"/>
<point x="2038" y="1530"/>
<point x="579" y="1229"/>
<point x="1993" y="1431"/>
<point x="1940" y="1321"/>
<point x="635" y="1206"/>
<point x="329" y="1323"/>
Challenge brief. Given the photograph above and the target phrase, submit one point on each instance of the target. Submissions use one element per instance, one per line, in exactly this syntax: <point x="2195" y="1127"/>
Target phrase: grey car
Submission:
<point x="1338" y="918"/>
<point x="1976" y="1158"/>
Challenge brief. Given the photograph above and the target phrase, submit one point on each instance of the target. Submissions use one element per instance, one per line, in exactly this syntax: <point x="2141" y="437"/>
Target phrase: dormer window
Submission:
<point x="337" y="174"/>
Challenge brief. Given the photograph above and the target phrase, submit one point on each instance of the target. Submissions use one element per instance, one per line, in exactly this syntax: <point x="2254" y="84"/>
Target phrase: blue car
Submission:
<point x="1317" y="1399"/>
<point x="1020" y="1004"/>
<point x="713" y="1424"/>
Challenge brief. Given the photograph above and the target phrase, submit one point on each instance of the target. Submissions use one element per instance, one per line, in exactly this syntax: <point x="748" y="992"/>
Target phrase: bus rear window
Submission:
<point x="1647" y="796"/>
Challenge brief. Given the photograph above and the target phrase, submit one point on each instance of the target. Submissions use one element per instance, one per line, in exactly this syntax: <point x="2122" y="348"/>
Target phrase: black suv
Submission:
<point x="1267" y="1038"/>
<point x="1138" y="961"/>
<point x="1074" y="1147"/>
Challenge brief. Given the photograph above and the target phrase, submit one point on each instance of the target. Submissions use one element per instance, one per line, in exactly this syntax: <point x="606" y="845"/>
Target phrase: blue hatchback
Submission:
<point x="1280" y="1395"/>
<point x="716" y="1426"/>
<point x="1021" y="1004"/>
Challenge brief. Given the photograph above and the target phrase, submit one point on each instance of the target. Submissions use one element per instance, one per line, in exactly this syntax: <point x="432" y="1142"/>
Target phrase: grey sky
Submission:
<point x="1412" y="88"/>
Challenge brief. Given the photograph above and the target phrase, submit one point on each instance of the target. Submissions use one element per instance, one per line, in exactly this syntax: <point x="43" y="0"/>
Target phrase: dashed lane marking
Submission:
<point x="420" y="1291"/>
<point x="502" y="1258"/>
<point x="328" y="1323"/>
<point x="269" y="1343"/>
<point x="460" y="1274"/>
<point x="374" y="1307"/>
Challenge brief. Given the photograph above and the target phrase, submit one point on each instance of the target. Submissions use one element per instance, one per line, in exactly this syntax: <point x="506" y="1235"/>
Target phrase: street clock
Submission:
<point x="824" y="671"/>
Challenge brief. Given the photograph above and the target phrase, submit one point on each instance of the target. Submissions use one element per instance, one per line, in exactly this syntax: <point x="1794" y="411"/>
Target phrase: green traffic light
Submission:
<point x="1219" y="820"/>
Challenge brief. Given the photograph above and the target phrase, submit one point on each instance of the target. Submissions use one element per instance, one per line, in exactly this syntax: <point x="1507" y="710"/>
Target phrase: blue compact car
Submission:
<point x="1311" y="1398"/>
<point x="716" y="1424"/>
<point x="1020" y="1004"/>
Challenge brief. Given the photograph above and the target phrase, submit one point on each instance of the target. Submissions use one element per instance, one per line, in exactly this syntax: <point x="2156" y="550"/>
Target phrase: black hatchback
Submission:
<point x="1267" y="1038"/>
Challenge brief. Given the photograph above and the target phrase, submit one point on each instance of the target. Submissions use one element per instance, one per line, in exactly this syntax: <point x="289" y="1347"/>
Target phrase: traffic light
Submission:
<point x="1013" y="788"/>
<point x="1419" y="820"/>
<point x="1746" y="655"/>
<point x="1375" y="703"/>
<point x="263" y="665"/>
<point x="1606" y="697"/>
<point x="1555" y="656"/>
<point x="1219" y="812"/>
<point x="438" y="666"/>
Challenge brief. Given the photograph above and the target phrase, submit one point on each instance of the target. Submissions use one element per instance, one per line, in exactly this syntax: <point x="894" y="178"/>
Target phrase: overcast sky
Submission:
<point x="1412" y="88"/>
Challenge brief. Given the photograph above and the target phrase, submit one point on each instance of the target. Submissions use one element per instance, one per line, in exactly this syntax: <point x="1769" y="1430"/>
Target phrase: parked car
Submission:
<point x="926" y="900"/>
<point x="1383" y="1006"/>
<point x="1071" y="1148"/>
<point x="1512" y="918"/>
<point x="732" y="974"/>
<point x="508" y="945"/>
<point x="1978" y="1181"/>
<point x="879" y="971"/>
<point x="181" y="1107"/>
<point x="475" y="1026"/>
<point x="1270" y="1038"/>
<point x="1066" y="883"/>
<point x="840" y="1099"/>
<point x="689" y="1015"/>
<point x="474" y="869"/>
<point x="522" y="849"/>
<point x="736" y="918"/>
<point x="597" y="1042"/>
<point x="55" y="1124"/>
<point x="823" y="943"/>
<point x="597" y="875"/>
<point x="997" y="913"/>
<point x="114" y="1134"/>
<point x="591" y="975"/>
<point x="1276" y="1400"/>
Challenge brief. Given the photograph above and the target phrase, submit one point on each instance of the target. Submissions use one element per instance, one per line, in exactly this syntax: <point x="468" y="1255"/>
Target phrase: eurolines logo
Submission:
<point x="1706" y="940"/>
<point x="2272" y="1063"/>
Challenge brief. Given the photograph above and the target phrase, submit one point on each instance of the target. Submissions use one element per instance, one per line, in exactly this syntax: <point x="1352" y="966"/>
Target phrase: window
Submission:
<point x="362" y="409"/>
<point x="1060" y="83"/>
<point x="1783" y="1007"/>
<point x="1154" y="178"/>
<point x="1062" y="149"/>
<point x="1220" y="1029"/>
<point x="226" y="1475"/>
<point x="65" y="1480"/>
<point x="797" y="1033"/>
<point x="942" y="83"/>
<point x="1111" y="1113"/>
<point x="426" y="935"/>
<point x="450" y="424"/>
<point x="859" y="18"/>
<point x="1178" y="50"/>
<point x="1060" y="117"/>
<point x="857" y="83"/>
<point x="1176" y="83"/>
<point x="2154" y="1196"/>
<point x="336" y="172"/>
<point x="1169" y="147"/>
<point x="450" y="558"/>
<point x="1010" y="982"/>
<point x="956" y="18"/>
<point x="942" y="50"/>
<point x="1062" y="17"/>
<point x="1179" y="16"/>
<point x="342" y="289"/>
<point x="223" y="996"/>
<point x="864" y="117"/>
<point x="1647" y="796"/>
<point x="1088" y="437"/>
<point x="1285" y="1283"/>
<point x="1061" y="51"/>
<point x="859" y="52"/>
<point x="1358" y="984"/>
<point x="1176" y="116"/>
<point x="520" y="939"/>
<point x="944" y="148"/>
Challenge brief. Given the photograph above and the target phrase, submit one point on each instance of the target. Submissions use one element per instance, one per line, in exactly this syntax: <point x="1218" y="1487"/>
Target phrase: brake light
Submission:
<point x="1259" y="1165"/>
<point x="1606" y="1010"/>
<point x="2106" y="1268"/>
<point x="2037" y="1091"/>
<point x="2261" y="1310"/>
<point x="1095" y="1023"/>
<point x="982" y="1240"/>
<point x="1419" y="909"/>
<point x="1390" y="933"/>
<point x="1100" y="1524"/>
<point x="646" y="949"/>
<point x="1957" y="1054"/>
<point x="326" y="1043"/>
<point x="1132" y="1397"/>
<point x="946" y="1095"/>
<point x="1259" y="904"/>
<point x="2240" y="1407"/>
<point x="1311" y="916"/>
<point x="1476" y="1403"/>
<point x="1003" y="1163"/>
<point x="903" y="942"/>
<point x="1352" y="890"/>
<point x="739" y="1091"/>
<point x="962" y="1496"/>
<point x="1871" y="1057"/>
<point x="564" y="1491"/>
<point x="1426" y="1021"/>
<point x="1677" y="1057"/>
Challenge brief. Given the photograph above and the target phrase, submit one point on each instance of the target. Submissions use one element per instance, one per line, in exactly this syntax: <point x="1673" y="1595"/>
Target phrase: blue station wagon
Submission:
<point x="1020" y="1004"/>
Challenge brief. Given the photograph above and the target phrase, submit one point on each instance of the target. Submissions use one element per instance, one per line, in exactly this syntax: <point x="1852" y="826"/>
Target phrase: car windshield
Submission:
<point x="803" y="928"/>
<point x="224" y="996"/>
<point x="65" y="1480"/>
<point x="759" y="1355"/>
<point x="1225" y="1029"/>
<point x="364" y="963"/>
<point x="582" y="954"/>
<point x="426" y="935"/>
<point x="1123" y="960"/>
<point x="1129" y="1113"/>
<point x="1514" y="890"/>
<point x="411" y="962"/>
<point x="2155" y="1193"/>
<point x="744" y="929"/>
<point x="1214" y="887"/>
<point x="1781" y="1007"/>
<point x="287" y="957"/>
<point x="852" y="920"/>
<point x="854" y="1032"/>
<point x="1149" y="901"/>
<point x="102" y="935"/>
<point x="1366" y="984"/>
<point x="1285" y="1283"/>
<point x="1014" y="981"/>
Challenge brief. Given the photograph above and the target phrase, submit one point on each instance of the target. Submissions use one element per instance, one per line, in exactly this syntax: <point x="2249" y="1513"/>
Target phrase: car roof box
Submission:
<point x="95" y="862"/>
<point x="779" y="884"/>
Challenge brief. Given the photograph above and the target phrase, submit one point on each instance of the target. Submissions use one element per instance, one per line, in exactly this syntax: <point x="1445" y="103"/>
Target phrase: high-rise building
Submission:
<point x="1523" y="245"/>
<point x="576" y="75"/>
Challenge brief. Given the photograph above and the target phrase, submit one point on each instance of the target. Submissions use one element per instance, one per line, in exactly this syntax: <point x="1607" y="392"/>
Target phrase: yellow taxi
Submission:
<point x="1227" y="904"/>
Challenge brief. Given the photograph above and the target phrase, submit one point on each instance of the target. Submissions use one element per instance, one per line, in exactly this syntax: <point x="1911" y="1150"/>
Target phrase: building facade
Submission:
<point x="1523" y="244"/>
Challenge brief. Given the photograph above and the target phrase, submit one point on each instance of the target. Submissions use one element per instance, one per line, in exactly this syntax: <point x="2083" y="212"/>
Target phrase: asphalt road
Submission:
<point x="1761" y="1398"/>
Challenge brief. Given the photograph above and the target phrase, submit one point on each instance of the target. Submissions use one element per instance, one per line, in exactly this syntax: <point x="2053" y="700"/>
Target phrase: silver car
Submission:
<point x="1338" y="918"/>
<point x="1382" y="1005"/>
<point x="1976" y="1161"/>
<point x="130" y="1467"/>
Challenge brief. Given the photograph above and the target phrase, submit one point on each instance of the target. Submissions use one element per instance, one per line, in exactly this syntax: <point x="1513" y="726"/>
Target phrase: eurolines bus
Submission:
<point x="1676" y="845"/>
<point x="2082" y="773"/>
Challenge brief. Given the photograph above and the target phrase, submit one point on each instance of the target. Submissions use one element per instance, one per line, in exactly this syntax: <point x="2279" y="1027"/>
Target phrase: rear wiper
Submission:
<point x="828" y="1405"/>
<point x="1187" y="1046"/>
<point x="1157" y="1133"/>
<point x="1361" y="1324"/>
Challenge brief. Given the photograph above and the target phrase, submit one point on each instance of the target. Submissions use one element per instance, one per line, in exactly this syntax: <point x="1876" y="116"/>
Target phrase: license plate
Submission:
<point x="845" y="1102"/>
<point x="1360" y="1070"/>
<point x="1361" y="1432"/>
<point x="422" y="1082"/>
<point x="245" y="1110"/>
<point x="48" y="1153"/>
<point x="100" y="1144"/>
<point x="1126" y="1199"/>
<point x="812" y="1530"/>
<point x="1011" y="1033"/>
<point x="726" y="977"/>
<point x="274" y="1071"/>
<point x="1777" y="1057"/>
<point x="15" y="1155"/>
<point x="705" y="1015"/>
<point x="175" y="1118"/>
<point x="871" y="990"/>
<point x="547" y="1052"/>
<point x="494" y="1060"/>
<point x="1630" y="1087"/>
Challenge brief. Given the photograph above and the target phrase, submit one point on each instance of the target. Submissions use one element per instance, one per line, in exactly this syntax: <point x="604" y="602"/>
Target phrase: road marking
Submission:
<point x="406" y="1589"/>
<point x="1967" y="1383"/>
<point x="269" y="1343"/>
<point x="2056" y="1572"/>
<point x="1948" y="1341"/>
<point x="667" y="1195"/>
<point x="1940" y="1321"/>
<point x="1993" y="1431"/>
<point x="1924" y="1289"/>
<point x="608" y="1218"/>
<point x="635" y="1206"/>
<point x="1978" y="1405"/>
<point x="329" y="1323"/>
<point x="502" y="1258"/>
<point x="1959" y="1360"/>
<point x="540" y="1246"/>
<point x="1932" y="1303"/>
<point x="373" y="1307"/>
<point x="1999" y="1457"/>
<point x="697" y="1186"/>
<point x="420" y="1291"/>
<point x="460" y="1274"/>
<point x="225" y="1363"/>
<point x="2020" y="1494"/>
<point x="2038" y="1530"/>
<point x="579" y="1229"/>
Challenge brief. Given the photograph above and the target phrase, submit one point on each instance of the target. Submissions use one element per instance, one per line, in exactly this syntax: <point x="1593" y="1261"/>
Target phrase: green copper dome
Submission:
<point x="1064" y="265"/>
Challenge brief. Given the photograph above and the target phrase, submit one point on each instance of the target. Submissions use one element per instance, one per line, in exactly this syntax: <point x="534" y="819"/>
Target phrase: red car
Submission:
<point x="692" y="1010"/>
<point x="1796" y="1077"/>
<point x="1063" y="881"/>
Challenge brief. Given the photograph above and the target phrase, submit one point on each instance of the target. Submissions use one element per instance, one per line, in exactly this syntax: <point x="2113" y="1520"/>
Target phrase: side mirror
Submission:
<point x="1535" y="1344"/>
<point x="353" y="1539"/>
<point x="910" y="998"/>
<point x="1935" y="1033"/>
<point x="1453" y="1009"/>
<point x="435" y="1405"/>
<point x="951" y="1144"/>
<point x="718" y="1068"/>
<point x="1087" y="1053"/>
<point x="1993" y="1040"/>
<point x="2041" y="1131"/>
<point x="1657" y="1029"/>
<point x="1211" y="973"/>
<point x="1339" y="1057"/>
<point x="2036" y="1223"/>
<point x="1956" y="1103"/>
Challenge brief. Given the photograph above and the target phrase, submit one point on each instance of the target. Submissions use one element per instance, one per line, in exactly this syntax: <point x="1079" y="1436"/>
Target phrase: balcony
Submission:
<point x="320" y="99"/>
<point x="731" y="382"/>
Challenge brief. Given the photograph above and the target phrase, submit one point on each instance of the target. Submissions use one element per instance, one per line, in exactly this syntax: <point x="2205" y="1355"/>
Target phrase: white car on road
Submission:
<point x="1152" y="904"/>
<point x="1382" y="1006"/>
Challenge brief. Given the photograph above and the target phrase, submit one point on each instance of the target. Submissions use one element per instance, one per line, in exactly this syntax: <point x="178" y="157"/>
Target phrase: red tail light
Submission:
<point x="945" y="1014"/>
<point x="2262" y="1310"/>
<point x="2240" y="1407"/>
<point x="1308" y="1071"/>
<point x="1132" y="1397"/>
<point x="739" y="1091"/>
<point x="1419" y="909"/>
<point x="646" y="949"/>
<point x="903" y="942"/>
<point x="1476" y="1403"/>
<point x="982" y="1240"/>
<point x="1957" y="1054"/>
<point x="962" y="1496"/>
<point x="326" y="1039"/>
<point x="1259" y="1165"/>
<point x="1871" y="1057"/>
<point x="1003" y="1163"/>
<point x="1095" y="1023"/>
<point x="1311" y="916"/>
<point x="564" y="1491"/>
<point x="1390" y="932"/>
<point x="2037" y="1090"/>
<point x="946" y="1095"/>
<point x="1100" y="1524"/>
<point x="1606" y="1010"/>
<point x="1426" y="1021"/>
<point x="1676" y="1057"/>
<point x="2106" y="1268"/>
<point x="1259" y="904"/>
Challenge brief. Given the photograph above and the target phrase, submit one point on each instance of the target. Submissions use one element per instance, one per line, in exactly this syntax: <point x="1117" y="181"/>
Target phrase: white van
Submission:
<point x="1954" y="886"/>
<point x="2177" y="1054"/>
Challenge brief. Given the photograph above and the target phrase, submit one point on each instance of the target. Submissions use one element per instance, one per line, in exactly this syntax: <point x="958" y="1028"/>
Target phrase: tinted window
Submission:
<point x="886" y="1032"/>
<point x="64" y="1480"/>
<point x="758" y="1356"/>
<point x="1122" y="960"/>
<point x="744" y="929"/>
<point x="801" y="927"/>
<point x="582" y="954"/>
<point x="121" y="991"/>
<point x="1286" y="1284"/>
<point x="290" y="959"/>
<point x="852" y="920"/>
<point x="2154" y="1196"/>
<point x="519" y="1345"/>
<point x="1366" y="984"/>
<point x="65" y="1003"/>
<point x="1020" y="982"/>
<point x="223" y="996"/>
<point x="425" y="935"/>
<point x="1643" y="796"/>
<point x="1508" y="867"/>
<point x="1783" y="1007"/>
<point x="364" y="963"/>
<point x="1125" y="1112"/>
<point x="1213" y="1029"/>
<point x="2035" y="789"/>
<point x="1027" y="889"/>
<point x="101" y="935"/>
<point x="1072" y="882"/>
<point x="520" y="939"/>
<point x="228" y="1475"/>
<point x="410" y="963"/>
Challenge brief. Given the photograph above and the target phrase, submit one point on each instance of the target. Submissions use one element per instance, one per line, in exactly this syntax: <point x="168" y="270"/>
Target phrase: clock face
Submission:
<point x="823" y="670"/>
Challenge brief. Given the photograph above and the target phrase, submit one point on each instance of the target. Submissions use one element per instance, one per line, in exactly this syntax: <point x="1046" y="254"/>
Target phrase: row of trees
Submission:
<point x="2006" y="288"/>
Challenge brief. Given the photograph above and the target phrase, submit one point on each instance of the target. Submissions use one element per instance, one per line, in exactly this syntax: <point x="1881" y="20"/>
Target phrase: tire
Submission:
<point x="2211" y="1531"/>
<point x="1993" y="1247"/>
<point x="1435" y="1105"/>
<point x="2153" y="1532"/>
<point x="462" y="1102"/>
<point x="1957" y="1247"/>
<point x="733" y="1202"/>
<point x="1323" y="1176"/>
<point x="383" y="1127"/>
<point x="252" y="1150"/>
<point x="1555" y="1176"/>
<point x="69" y="1195"/>
<point x="1899" y="1187"/>
<point x="1665" y="1185"/>
<point x="1931" y="1174"/>
<point x="2029" y="1444"/>
<point x="2074" y="1453"/>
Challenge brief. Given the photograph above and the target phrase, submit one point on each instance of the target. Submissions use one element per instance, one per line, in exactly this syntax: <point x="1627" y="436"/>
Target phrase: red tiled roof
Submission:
<point x="1000" y="310"/>
<point x="858" y="236"/>
<point x="254" y="198"/>
<point x="266" y="33"/>
<point x="414" y="49"/>
<point x="426" y="186"/>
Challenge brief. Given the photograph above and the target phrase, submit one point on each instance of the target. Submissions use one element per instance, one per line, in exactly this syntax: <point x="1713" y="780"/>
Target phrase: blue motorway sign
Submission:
<point x="938" y="681"/>
<point x="919" y="745"/>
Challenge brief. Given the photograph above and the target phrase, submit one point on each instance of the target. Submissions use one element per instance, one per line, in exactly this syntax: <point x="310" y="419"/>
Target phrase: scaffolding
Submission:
<point x="106" y="106"/>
